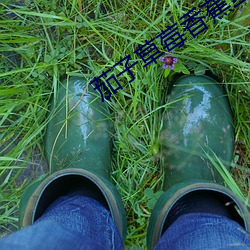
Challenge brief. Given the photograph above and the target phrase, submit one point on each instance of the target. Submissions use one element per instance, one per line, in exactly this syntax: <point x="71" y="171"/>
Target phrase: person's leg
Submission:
<point x="204" y="231"/>
<point x="71" y="222"/>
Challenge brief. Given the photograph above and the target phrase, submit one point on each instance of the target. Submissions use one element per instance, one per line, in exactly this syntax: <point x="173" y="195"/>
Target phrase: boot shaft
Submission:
<point x="197" y="122"/>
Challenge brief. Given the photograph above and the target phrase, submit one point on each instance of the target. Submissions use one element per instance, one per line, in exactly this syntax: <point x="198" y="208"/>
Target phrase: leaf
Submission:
<point x="155" y="196"/>
<point x="158" y="194"/>
<point x="34" y="74"/>
<point x="191" y="65"/>
<point x="148" y="192"/>
<point x="79" y="25"/>
<point x="47" y="58"/>
<point x="80" y="56"/>
<point x="166" y="72"/>
<point x="179" y="67"/>
<point x="151" y="203"/>
<point x="185" y="71"/>
<point x="200" y="70"/>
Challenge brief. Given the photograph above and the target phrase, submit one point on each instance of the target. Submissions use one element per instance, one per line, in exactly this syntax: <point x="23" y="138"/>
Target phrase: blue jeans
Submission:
<point x="204" y="231"/>
<point x="80" y="222"/>
<point x="76" y="222"/>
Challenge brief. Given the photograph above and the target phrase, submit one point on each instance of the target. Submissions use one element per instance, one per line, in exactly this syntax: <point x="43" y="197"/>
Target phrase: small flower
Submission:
<point x="169" y="61"/>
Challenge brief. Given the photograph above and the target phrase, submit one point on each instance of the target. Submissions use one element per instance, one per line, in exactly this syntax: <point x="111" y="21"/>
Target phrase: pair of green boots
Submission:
<point x="197" y="125"/>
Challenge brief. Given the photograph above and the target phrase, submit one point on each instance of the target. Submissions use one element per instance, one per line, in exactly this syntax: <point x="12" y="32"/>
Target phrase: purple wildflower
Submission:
<point x="169" y="61"/>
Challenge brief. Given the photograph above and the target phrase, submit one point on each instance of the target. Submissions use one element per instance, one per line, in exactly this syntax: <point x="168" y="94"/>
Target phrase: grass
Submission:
<point x="46" y="41"/>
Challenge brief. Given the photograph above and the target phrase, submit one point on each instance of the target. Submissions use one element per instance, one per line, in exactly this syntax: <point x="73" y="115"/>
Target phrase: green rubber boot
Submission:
<point x="198" y="123"/>
<point x="78" y="149"/>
